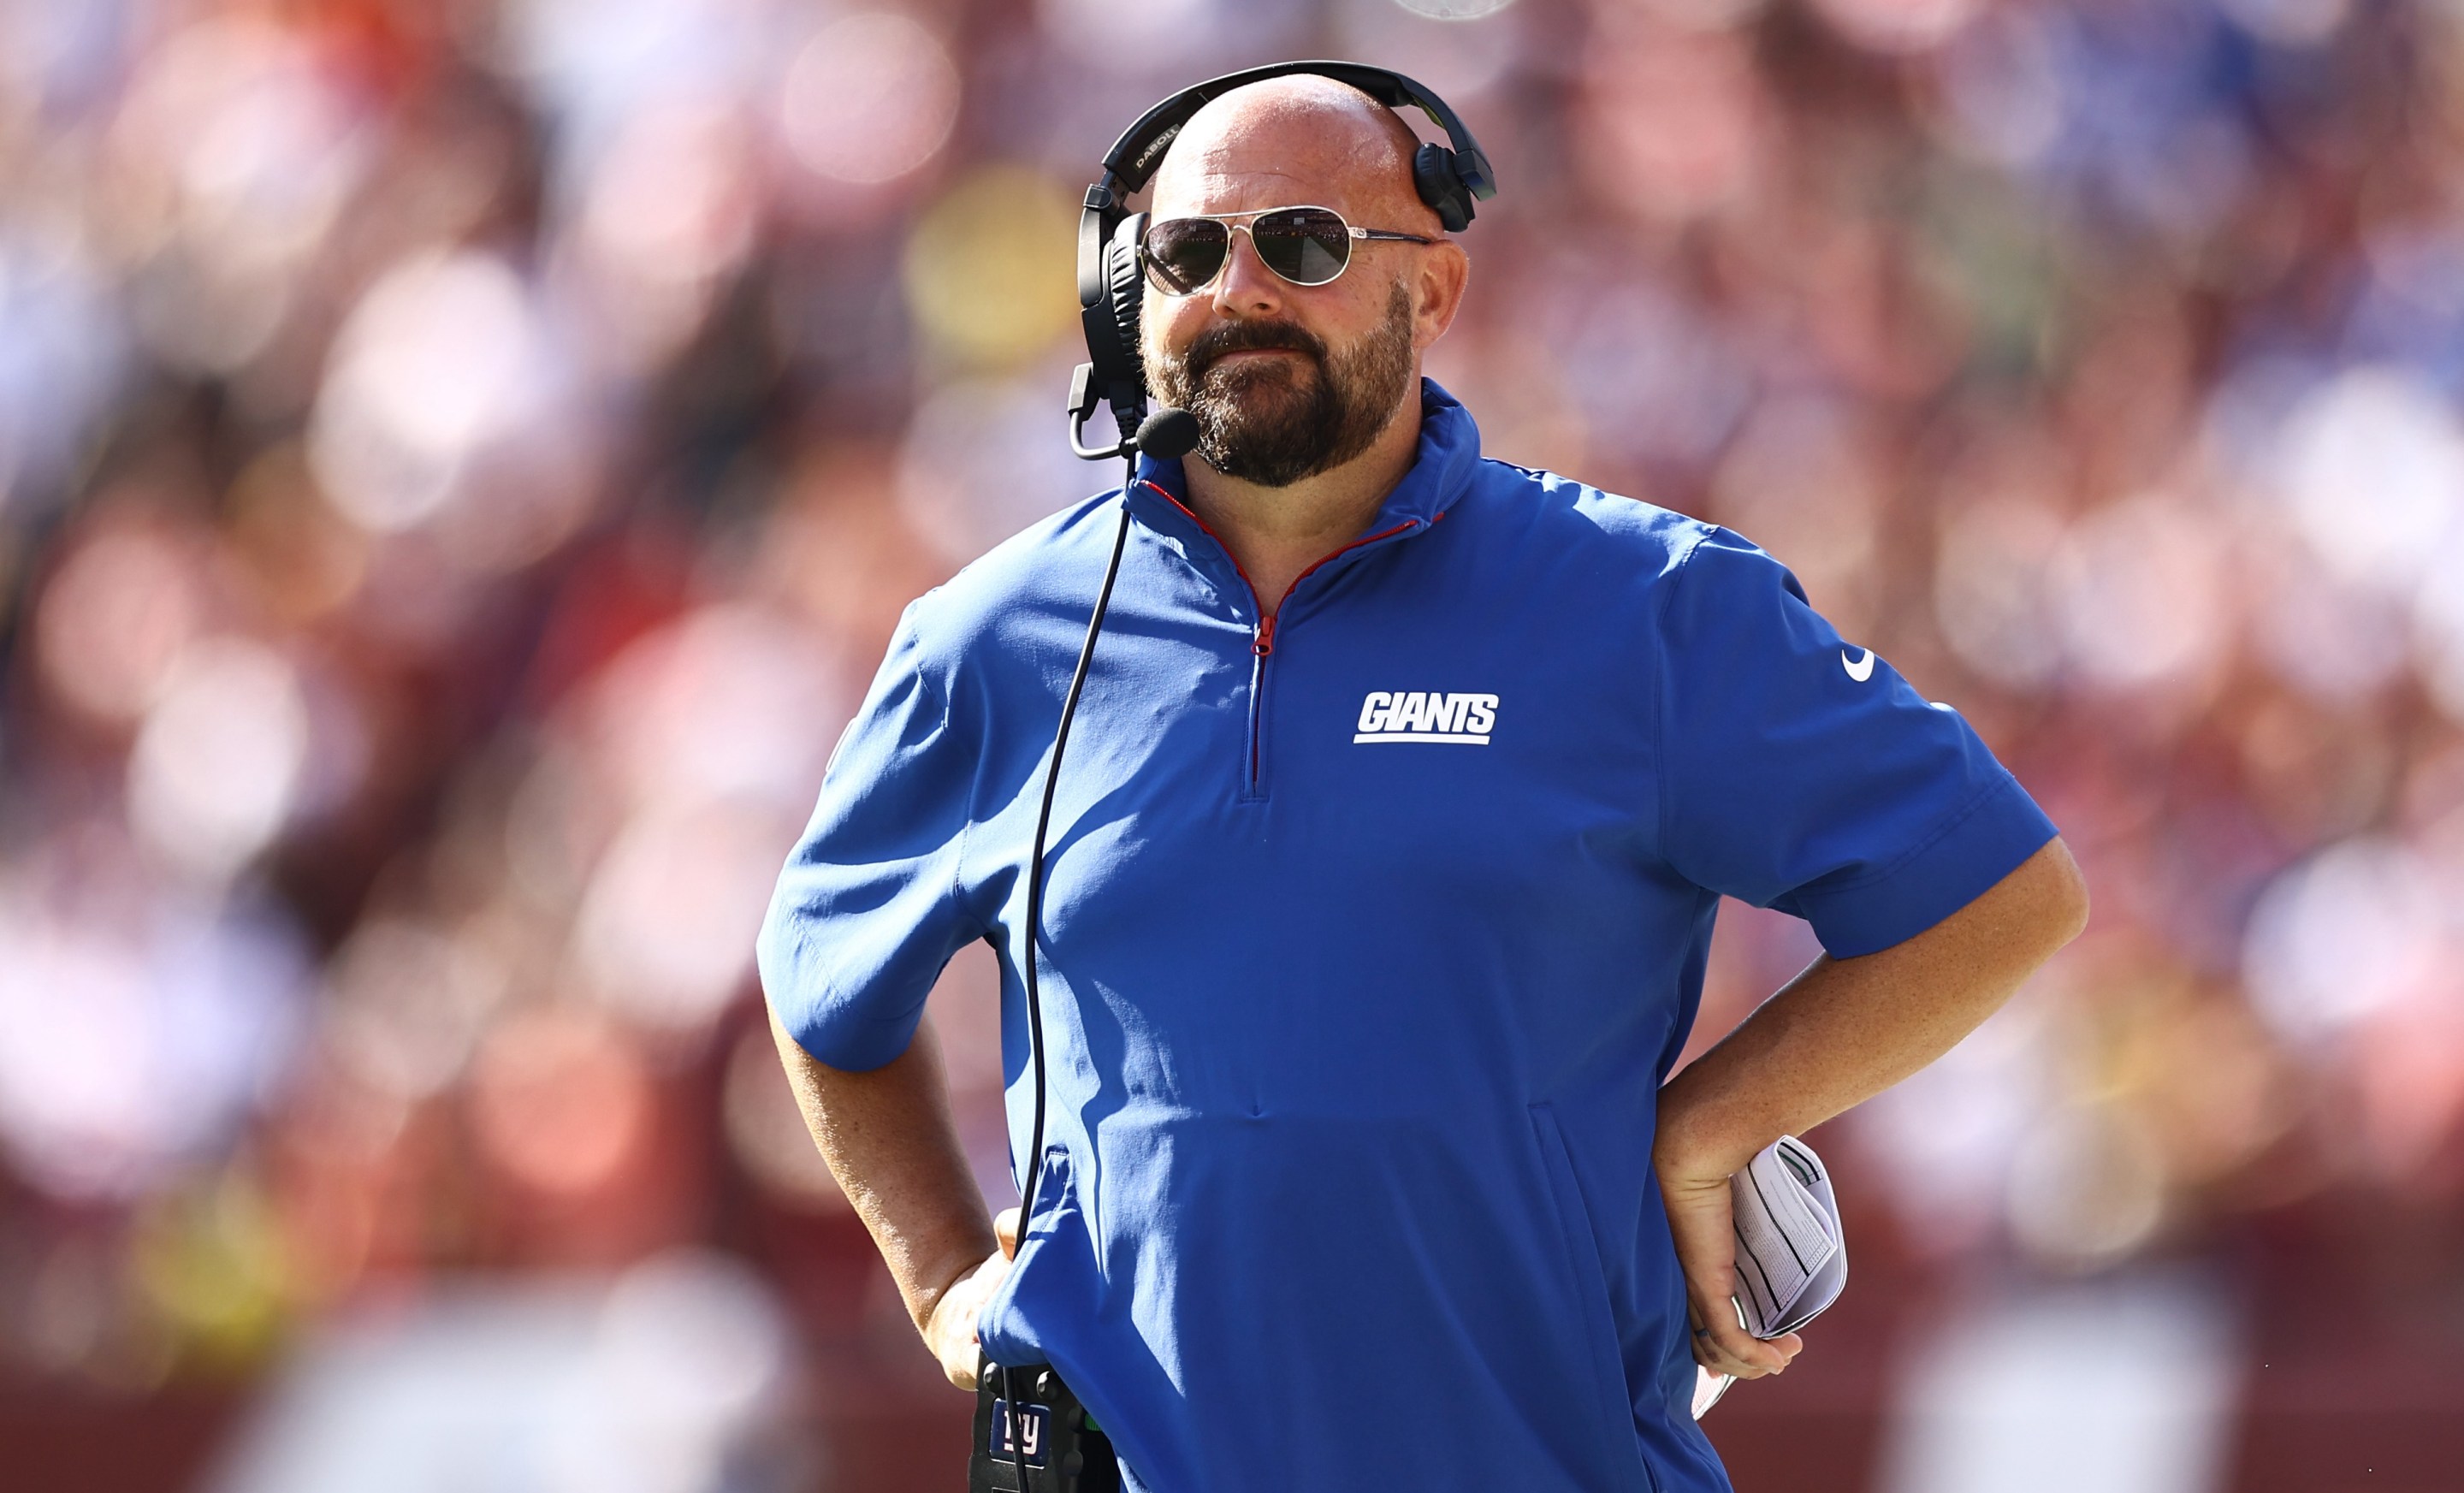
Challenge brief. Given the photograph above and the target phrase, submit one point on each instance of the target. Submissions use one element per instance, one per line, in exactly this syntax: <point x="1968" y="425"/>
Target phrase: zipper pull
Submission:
<point x="1265" y="641"/>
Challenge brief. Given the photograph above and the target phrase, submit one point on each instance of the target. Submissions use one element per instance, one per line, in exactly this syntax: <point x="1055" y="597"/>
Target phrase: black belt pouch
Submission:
<point x="1026" y="1421"/>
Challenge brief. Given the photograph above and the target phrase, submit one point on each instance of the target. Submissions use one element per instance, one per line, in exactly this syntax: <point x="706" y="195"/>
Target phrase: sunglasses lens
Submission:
<point x="1184" y="254"/>
<point x="1306" y="246"/>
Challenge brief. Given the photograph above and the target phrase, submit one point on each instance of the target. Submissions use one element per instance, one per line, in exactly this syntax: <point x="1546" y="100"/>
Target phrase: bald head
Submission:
<point x="1302" y="139"/>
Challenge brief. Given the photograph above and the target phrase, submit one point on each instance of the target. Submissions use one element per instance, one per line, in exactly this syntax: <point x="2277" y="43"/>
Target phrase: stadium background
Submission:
<point x="459" y="463"/>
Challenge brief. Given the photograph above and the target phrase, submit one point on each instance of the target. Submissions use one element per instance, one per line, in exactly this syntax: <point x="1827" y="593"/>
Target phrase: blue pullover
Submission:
<point x="1370" y="932"/>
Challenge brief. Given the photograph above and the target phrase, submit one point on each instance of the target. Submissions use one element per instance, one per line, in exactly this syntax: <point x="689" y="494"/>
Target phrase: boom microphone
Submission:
<point x="1168" y="434"/>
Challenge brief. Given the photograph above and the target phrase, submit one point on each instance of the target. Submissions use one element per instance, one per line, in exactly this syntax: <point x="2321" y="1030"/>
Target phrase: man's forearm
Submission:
<point x="888" y="1139"/>
<point x="1836" y="1035"/>
<point x="1846" y="1029"/>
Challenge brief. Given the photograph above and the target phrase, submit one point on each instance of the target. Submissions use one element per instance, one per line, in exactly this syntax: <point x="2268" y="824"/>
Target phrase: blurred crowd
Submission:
<point x="460" y="463"/>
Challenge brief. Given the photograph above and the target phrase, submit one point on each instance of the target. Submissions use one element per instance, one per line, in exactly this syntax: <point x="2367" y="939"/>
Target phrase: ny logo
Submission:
<point x="1020" y="1436"/>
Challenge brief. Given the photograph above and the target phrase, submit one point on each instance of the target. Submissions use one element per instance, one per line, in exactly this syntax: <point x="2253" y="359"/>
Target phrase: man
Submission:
<point x="1384" y="864"/>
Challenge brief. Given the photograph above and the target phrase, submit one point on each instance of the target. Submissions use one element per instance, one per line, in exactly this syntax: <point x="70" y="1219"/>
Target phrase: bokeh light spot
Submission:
<point x="1453" y="10"/>
<point x="1990" y="592"/>
<point x="115" y="618"/>
<point x="1899" y="25"/>
<point x="439" y="359"/>
<point x="219" y="760"/>
<point x="2086" y="1186"/>
<point x="674" y="202"/>
<point x="869" y="99"/>
<point x="667" y="926"/>
<point x="1675" y="123"/>
<point x="2141" y="591"/>
<point x="408" y="1006"/>
<point x="692" y="1344"/>
<point x="990" y="271"/>
<point x="1133" y="36"/>
<point x="2372" y="466"/>
<point x="2347" y="933"/>
<point x="561" y="1100"/>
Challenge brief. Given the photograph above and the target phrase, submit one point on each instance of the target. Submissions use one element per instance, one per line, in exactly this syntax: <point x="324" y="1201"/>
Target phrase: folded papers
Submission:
<point x="1791" y="1256"/>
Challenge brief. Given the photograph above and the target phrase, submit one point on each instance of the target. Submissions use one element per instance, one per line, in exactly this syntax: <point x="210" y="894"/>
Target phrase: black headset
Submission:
<point x="1108" y="233"/>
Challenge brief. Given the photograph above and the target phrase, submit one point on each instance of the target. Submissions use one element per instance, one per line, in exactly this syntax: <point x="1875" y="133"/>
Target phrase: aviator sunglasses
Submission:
<point x="1306" y="246"/>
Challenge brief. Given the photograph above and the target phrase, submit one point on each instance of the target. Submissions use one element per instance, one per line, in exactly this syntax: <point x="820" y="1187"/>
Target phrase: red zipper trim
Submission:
<point x="1265" y="645"/>
<point x="1219" y="543"/>
<point x="1265" y="642"/>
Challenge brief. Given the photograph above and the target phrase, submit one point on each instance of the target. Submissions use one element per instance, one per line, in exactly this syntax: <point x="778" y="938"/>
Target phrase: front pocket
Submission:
<point x="1590" y="1289"/>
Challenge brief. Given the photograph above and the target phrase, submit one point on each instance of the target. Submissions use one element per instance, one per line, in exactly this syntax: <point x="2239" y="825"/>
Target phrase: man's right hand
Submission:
<point x="949" y="1331"/>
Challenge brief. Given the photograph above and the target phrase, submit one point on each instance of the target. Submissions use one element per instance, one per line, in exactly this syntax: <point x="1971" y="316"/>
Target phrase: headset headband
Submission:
<point x="1134" y="157"/>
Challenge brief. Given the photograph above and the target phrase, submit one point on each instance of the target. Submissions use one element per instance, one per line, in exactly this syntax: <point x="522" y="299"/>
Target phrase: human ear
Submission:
<point x="1437" y="292"/>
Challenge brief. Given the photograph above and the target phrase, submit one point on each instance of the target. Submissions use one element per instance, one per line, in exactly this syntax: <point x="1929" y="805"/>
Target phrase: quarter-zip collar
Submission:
<point x="1438" y="477"/>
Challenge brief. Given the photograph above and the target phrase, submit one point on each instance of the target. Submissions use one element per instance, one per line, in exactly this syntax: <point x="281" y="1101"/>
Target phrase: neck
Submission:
<point x="1274" y="534"/>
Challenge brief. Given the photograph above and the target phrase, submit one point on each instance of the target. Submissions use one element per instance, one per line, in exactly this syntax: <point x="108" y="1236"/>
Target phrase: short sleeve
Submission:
<point x="1802" y="773"/>
<point x="866" y="911"/>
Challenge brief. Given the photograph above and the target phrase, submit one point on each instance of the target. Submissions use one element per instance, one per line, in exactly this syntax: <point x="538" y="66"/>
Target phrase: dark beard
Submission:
<point x="1274" y="421"/>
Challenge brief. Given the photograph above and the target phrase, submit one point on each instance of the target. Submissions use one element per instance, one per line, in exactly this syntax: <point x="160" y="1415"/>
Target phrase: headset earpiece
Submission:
<point x="1108" y="301"/>
<point x="1124" y="287"/>
<point x="1442" y="187"/>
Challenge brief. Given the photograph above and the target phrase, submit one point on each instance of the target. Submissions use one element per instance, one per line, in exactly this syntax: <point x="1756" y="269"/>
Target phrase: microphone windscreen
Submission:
<point x="1168" y="434"/>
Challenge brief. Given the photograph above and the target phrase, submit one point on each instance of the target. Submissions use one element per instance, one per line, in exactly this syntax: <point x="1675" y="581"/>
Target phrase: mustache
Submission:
<point x="1216" y="342"/>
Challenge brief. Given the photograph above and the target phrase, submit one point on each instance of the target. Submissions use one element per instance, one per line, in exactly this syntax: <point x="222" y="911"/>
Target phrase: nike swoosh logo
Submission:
<point x="1860" y="669"/>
